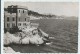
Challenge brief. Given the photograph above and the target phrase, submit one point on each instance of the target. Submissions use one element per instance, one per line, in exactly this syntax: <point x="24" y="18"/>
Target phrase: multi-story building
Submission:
<point x="16" y="16"/>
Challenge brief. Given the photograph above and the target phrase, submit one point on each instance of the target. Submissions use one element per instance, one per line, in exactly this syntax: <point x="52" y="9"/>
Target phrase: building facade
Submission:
<point x="16" y="16"/>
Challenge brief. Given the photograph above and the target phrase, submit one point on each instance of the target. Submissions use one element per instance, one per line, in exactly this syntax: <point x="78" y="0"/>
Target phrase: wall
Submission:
<point x="10" y="19"/>
<point x="22" y="16"/>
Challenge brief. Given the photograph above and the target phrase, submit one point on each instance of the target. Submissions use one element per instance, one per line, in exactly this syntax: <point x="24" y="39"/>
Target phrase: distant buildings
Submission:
<point x="16" y="16"/>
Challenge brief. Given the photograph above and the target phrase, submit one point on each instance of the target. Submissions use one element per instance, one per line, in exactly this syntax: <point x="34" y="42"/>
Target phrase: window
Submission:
<point x="7" y="18"/>
<point x="13" y="24"/>
<point x="8" y="25"/>
<point x="24" y="24"/>
<point x="13" y="19"/>
<point x="19" y="24"/>
<point x="19" y="11"/>
<point x="23" y="11"/>
<point x="25" y="19"/>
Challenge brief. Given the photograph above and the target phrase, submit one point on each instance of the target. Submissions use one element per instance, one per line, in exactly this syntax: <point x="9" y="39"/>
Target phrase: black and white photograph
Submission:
<point x="40" y="27"/>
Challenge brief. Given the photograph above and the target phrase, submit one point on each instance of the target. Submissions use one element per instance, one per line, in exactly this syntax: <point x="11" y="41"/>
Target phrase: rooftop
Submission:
<point x="17" y="6"/>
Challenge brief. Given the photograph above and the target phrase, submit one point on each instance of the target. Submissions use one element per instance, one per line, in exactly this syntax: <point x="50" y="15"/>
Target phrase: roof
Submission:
<point x="18" y="7"/>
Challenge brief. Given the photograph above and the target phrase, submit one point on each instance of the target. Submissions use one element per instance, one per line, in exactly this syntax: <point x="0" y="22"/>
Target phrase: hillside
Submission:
<point x="50" y="16"/>
<point x="36" y="14"/>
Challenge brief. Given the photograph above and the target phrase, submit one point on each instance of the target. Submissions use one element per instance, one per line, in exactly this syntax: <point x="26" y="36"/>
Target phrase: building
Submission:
<point x="16" y="16"/>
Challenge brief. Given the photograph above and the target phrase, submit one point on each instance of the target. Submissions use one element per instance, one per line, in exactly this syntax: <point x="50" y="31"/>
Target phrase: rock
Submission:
<point x="7" y="38"/>
<point x="27" y="36"/>
<point x="25" y="40"/>
<point x="10" y="38"/>
<point x="8" y="50"/>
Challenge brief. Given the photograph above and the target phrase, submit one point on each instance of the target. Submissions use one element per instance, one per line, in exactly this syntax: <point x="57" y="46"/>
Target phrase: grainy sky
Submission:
<point x="57" y="8"/>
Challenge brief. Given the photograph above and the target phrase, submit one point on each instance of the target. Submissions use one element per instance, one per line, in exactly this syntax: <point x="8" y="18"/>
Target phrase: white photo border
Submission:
<point x="2" y="23"/>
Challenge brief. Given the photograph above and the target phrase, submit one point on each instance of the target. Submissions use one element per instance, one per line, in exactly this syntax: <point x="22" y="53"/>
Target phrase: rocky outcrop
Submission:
<point x="27" y="36"/>
<point x="9" y="50"/>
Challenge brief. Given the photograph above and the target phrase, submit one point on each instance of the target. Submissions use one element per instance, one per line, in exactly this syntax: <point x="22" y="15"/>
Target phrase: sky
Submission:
<point x="56" y="8"/>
